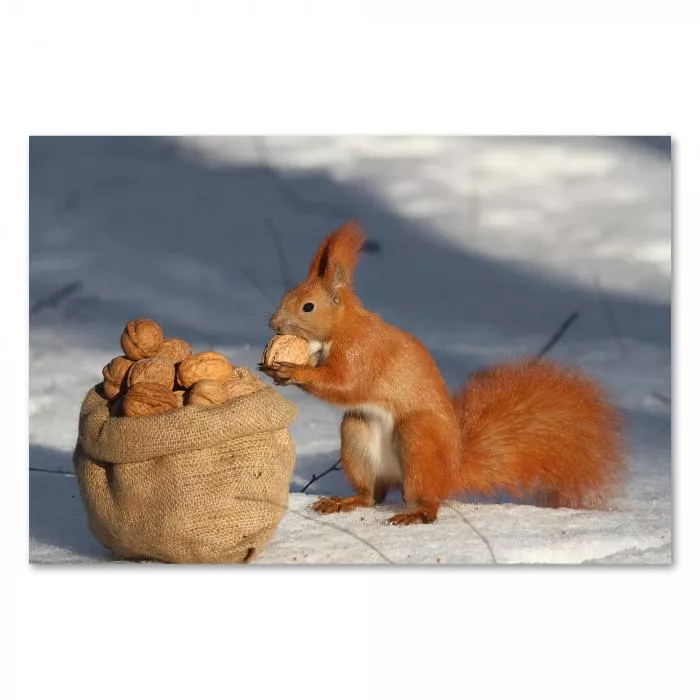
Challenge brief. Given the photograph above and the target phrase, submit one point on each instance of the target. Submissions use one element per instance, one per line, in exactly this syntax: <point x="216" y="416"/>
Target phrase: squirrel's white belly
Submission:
<point x="318" y="352"/>
<point x="381" y="446"/>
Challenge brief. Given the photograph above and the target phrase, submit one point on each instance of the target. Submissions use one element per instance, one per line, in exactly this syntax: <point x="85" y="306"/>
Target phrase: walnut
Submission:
<point x="154" y="370"/>
<point x="175" y="350"/>
<point x="114" y="374"/>
<point x="110" y="390"/>
<point x="141" y="338"/>
<point x="144" y="399"/>
<point x="206" y="392"/>
<point x="286" y="348"/>
<point x="241" y="383"/>
<point x="203" y="365"/>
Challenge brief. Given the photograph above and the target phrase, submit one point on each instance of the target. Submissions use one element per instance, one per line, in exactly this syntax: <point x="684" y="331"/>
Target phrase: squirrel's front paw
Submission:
<point x="282" y="373"/>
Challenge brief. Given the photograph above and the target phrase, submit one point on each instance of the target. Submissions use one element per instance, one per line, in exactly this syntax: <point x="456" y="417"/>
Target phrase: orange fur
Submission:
<point x="341" y="250"/>
<point x="530" y="428"/>
<point x="537" y="429"/>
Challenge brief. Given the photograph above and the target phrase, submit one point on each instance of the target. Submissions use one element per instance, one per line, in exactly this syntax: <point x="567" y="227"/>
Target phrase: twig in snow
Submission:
<point x="54" y="298"/>
<point x="661" y="397"/>
<point x="257" y="286"/>
<point x="557" y="336"/>
<point x="50" y="471"/>
<point x="322" y="521"/>
<point x="473" y="527"/>
<point x="475" y="209"/>
<point x="282" y="257"/>
<point x="314" y="478"/>
<point x="298" y="203"/>
<point x="288" y="193"/>
<point x="333" y="526"/>
<point x="610" y="314"/>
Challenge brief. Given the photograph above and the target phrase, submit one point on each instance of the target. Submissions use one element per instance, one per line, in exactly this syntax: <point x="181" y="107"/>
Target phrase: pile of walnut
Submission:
<point x="157" y="375"/>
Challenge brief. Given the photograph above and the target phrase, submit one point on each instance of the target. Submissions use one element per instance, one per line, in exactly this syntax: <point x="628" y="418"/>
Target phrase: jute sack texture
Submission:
<point x="196" y="485"/>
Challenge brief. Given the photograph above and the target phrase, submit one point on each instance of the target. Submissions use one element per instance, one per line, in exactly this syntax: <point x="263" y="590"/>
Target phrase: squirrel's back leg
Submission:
<point x="429" y="455"/>
<point x="357" y="440"/>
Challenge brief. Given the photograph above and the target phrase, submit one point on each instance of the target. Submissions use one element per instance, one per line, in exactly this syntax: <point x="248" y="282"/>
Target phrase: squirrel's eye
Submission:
<point x="308" y="306"/>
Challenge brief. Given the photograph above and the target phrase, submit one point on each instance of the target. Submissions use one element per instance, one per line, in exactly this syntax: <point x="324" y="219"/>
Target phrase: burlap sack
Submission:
<point x="194" y="485"/>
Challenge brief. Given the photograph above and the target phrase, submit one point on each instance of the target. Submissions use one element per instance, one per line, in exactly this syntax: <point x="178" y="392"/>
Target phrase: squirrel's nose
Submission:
<point x="274" y="323"/>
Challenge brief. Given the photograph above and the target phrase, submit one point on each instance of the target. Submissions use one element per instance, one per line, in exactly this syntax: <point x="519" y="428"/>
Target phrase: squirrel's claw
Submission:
<point x="282" y="373"/>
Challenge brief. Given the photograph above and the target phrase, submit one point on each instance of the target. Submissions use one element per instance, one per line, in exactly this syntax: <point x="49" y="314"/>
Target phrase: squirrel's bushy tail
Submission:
<point x="537" y="430"/>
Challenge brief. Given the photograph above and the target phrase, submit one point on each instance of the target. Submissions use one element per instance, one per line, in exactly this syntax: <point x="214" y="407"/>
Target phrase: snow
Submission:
<point x="486" y="246"/>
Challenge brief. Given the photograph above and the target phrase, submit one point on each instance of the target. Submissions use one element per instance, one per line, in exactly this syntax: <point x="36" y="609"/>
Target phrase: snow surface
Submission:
<point x="485" y="246"/>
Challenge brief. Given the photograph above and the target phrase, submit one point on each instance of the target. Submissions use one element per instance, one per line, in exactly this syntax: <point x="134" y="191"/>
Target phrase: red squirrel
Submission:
<point x="530" y="428"/>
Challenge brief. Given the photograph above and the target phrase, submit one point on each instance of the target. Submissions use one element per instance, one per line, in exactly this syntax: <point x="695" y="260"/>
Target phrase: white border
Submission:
<point x="171" y="68"/>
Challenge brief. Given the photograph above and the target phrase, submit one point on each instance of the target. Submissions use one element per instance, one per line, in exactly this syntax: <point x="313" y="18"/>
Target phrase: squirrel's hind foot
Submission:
<point x="422" y="514"/>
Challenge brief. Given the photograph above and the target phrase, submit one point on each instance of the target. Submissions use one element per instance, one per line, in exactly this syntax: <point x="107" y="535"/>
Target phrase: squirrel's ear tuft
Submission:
<point x="336" y="258"/>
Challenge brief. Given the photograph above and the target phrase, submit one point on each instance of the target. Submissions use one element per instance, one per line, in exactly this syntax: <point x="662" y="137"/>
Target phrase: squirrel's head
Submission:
<point x="314" y="309"/>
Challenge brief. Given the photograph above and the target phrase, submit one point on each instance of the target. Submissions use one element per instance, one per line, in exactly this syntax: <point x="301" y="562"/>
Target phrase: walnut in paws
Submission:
<point x="286" y="348"/>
